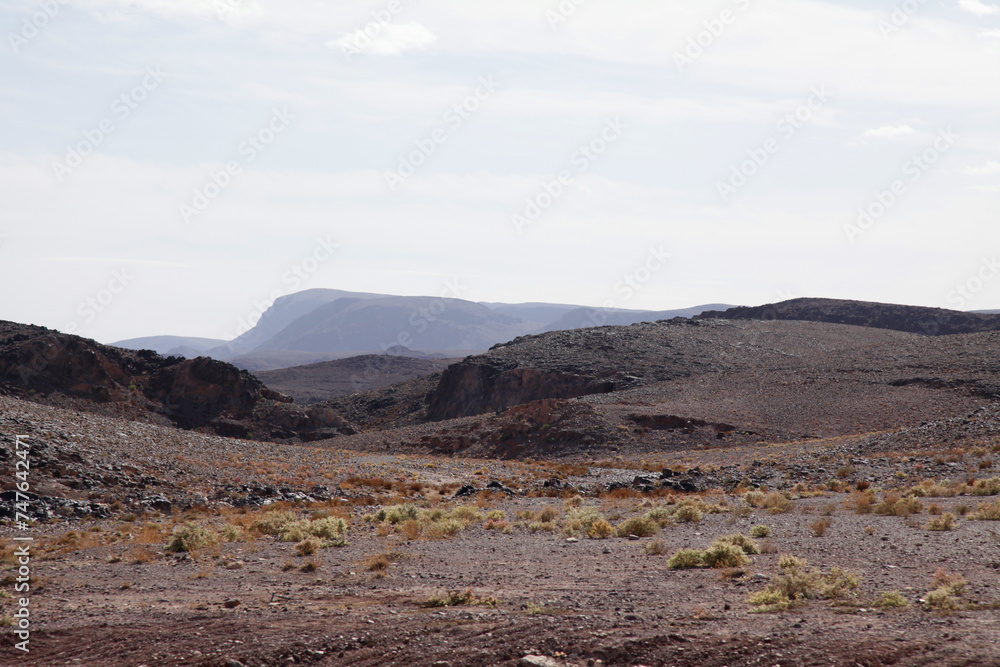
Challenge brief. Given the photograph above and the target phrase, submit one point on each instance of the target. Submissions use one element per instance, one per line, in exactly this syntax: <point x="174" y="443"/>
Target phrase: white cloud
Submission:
<point x="889" y="132"/>
<point x="978" y="7"/>
<point x="989" y="168"/>
<point x="391" y="40"/>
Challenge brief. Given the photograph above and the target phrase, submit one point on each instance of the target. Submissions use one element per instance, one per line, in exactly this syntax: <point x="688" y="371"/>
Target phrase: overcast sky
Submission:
<point x="169" y="167"/>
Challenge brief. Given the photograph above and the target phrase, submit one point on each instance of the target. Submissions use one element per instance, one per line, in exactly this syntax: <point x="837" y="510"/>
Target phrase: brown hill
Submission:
<point x="314" y="383"/>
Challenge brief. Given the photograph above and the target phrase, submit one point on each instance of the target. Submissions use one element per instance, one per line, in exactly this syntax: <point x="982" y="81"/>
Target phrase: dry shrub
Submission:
<point x="640" y="526"/>
<point x="987" y="512"/>
<point x="986" y="487"/>
<point x="862" y="502"/>
<point x="537" y="526"/>
<point x="722" y="554"/>
<point x="655" y="548"/>
<point x="946" y="521"/>
<point x="760" y="531"/>
<point x="460" y="598"/>
<point x="931" y="489"/>
<point x="191" y="537"/>
<point x="777" y="503"/>
<point x="548" y="515"/>
<point x="797" y="581"/>
<point x="895" y="505"/>
<point x="687" y="514"/>
<point x="947" y="592"/>
<point x="891" y="600"/>
<point x="600" y="529"/>
<point x="747" y="545"/>
<point x="309" y="546"/>
<point x="819" y="526"/>
<point x="685" y="558"/>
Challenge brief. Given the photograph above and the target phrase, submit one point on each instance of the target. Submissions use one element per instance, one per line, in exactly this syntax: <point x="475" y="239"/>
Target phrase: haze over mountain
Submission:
<point x="325" y="324"/>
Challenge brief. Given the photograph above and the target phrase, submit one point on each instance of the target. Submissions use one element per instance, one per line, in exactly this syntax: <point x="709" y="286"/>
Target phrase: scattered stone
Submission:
<point x="539" y="661"/>
<point x="231" y="603"/>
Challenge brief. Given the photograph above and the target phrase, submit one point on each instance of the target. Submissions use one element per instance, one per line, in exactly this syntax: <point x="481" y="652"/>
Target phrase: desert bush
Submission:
<point x="797" y="581"/>
<point x="862" y="502"/>
<point x="460" y="598"/>
<point x="987" y="512"/>
<point x="947" y="592"/>
<point x="328" y="528"/>
<point x="722" y="554"/>
<point x="536" y="526"/>
<point x="895" y="505"/>
<point x="768" y="601"/>
<point x="641" y="526"/>
<point x="496" y="515"/>
<point x="819" y="526"/>
<point x="748" y="546"/>
<point x="688" y="514"/>
<point x="776" y="503"/>
<point x="309" y="546"/>
<point x="931" y="489"/>
<point x="891" y="600"/>
<point x="685" y="558"/>
<point x="661" y="515"/>
<point x="411" y="529"/>
<point x="467" y="514"/>
<point x="600" y="529"/>
<point x="754" y="498"/>
<point x="986" y="487"/>
<point x="548" y="514"/>
<point x="760" y="531"/>
<point x="273" y="523"/>
<point x="233" y="533"/>
<point x="655" y="548"/>
<point x="944" y="522"/>
<point x="191" y="537"/>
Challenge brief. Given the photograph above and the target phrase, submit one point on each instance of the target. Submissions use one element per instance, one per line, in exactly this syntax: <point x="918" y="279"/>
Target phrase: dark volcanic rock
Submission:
<point x="475" y="386"/>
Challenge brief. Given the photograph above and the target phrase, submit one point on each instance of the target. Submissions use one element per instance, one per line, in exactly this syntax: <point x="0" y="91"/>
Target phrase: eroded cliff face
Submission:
<point x="480" y="384"/>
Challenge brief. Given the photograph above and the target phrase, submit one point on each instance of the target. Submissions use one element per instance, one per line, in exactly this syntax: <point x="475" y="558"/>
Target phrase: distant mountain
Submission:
<point x="320" y="325"/>
<point x="180" y="346"/>
<point x="913" y="319"/>
<point x="373" y="324"/>
<point x="581" y="318"/>
<point x="541" y="313"/>
<point x="283" y="311"/>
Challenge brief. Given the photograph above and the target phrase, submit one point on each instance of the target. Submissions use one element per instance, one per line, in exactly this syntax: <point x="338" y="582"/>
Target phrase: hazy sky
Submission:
<point x="169" y="167"/>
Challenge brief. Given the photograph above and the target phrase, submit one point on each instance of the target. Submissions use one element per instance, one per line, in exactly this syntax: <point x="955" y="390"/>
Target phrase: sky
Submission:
<point x="173" y="167"/>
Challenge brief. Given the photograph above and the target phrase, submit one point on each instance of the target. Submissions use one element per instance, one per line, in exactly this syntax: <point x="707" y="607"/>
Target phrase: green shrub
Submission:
<point x="760" y="531"/>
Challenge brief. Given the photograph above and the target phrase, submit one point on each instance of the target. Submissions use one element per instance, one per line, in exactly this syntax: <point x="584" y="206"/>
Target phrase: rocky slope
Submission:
<point x="50" y="367"/>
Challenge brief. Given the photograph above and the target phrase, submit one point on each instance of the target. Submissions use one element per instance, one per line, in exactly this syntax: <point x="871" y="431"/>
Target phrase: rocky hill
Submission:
<point x="914" y="319"/>
<point x="204" y="394"/>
